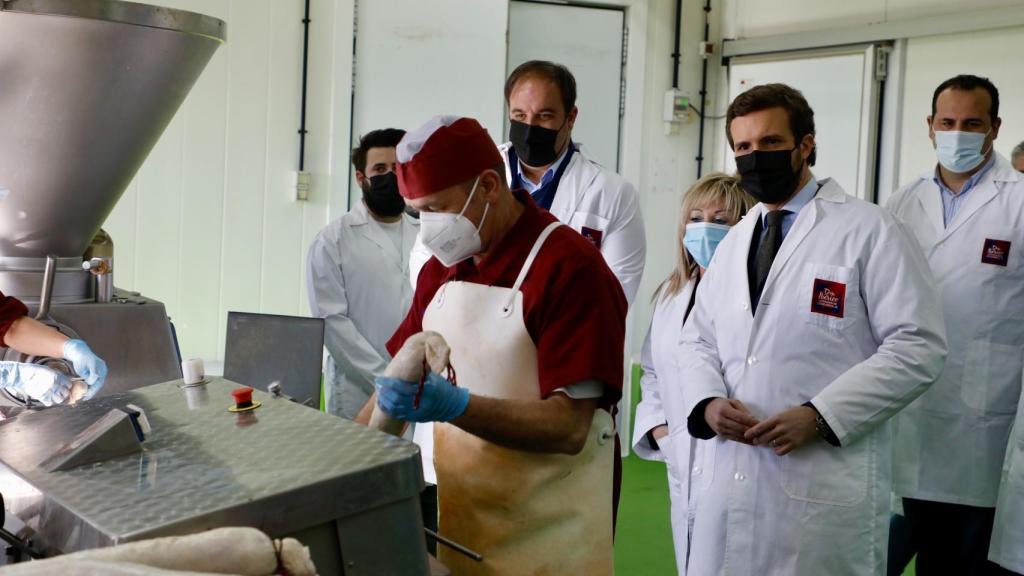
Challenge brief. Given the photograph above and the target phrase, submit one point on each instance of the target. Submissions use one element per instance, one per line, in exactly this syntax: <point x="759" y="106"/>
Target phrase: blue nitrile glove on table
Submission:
<point x="441" y="400"/>
<point x="87" y="364"/>
<point x="39" y="383"/>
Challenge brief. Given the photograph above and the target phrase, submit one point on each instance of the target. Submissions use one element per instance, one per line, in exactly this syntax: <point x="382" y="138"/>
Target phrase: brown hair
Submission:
<point x="713" y="187"/>
<point x="555" y="73"/>
<point x="968" y="83"/>
<point x="801" y="117"/>
<point x="385" y="138"/>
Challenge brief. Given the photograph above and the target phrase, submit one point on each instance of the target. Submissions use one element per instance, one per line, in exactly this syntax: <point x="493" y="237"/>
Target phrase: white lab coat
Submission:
<point x="589" y="195"/>
<point x="662" y="402"/>
<point x="1007" y="547"/>
<point x="951" y="442"/>
<point x="357" y="282"/>
<point x="820" y="509"/>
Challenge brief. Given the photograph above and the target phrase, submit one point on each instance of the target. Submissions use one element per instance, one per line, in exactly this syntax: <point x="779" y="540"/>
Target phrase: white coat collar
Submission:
<point x="830" y="192"/>
<point x="580" y="171"/>
<point x="987" y="189"/>
<point x="360" y="214"/>
<point x="1001" y="171"/>
<point x="360" y="220"/>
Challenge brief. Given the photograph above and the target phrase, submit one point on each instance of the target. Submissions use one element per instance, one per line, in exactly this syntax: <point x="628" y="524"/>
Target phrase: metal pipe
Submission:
<point x="305" y="70"/>
<point x="454" y="545"/>
<point x="47" y="294"/>
<point x="703" y="88"/>
<point x="675" y="53"/>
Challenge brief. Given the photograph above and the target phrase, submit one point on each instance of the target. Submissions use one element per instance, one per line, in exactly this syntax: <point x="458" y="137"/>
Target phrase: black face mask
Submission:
<point x="534" y="145"/>
<point x="382" y="197"/>
<point x="768" y="176"/>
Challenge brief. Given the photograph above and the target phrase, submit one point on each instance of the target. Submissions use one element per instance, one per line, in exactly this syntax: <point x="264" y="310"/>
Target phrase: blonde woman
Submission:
<point x="710" y="207"/>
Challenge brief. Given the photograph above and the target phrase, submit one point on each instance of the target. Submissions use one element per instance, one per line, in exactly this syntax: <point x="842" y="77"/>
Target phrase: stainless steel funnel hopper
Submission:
<point x="86" y="89"/>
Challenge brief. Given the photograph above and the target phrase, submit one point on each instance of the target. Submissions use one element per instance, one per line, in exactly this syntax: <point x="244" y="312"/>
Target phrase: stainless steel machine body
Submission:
<point x="88" y="87"/>
<point x="348" y="492"/>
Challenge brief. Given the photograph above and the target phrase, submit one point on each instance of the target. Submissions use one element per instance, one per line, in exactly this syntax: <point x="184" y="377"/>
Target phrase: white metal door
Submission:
<point x="417" y="59"/>
<point x="841" y="87"/>
<point x="589" y="42"/>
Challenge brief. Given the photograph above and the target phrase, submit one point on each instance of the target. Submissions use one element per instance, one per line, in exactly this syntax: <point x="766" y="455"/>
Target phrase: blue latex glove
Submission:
<point x="39" y="383"/>
<point x="88" y="365"/>
<point x="441" y="400"/>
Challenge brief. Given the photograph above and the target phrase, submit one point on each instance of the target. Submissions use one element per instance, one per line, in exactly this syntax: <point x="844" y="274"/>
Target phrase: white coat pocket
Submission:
<point x="991" y="381"/>
<point x="830" y="296"/>
<point x="826" y="474"/>
<point x="592" y="226"/>
<point x="667" y="446"/>
<point x="703" y="472"/>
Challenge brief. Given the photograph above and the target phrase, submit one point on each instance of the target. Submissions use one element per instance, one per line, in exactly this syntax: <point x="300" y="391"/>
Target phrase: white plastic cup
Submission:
<point x="192" y="371"/>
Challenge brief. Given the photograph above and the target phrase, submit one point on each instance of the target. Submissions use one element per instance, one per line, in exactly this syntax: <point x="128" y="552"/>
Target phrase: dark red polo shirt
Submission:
<point x="574" y="308"/>
<point x="10" y="310"/>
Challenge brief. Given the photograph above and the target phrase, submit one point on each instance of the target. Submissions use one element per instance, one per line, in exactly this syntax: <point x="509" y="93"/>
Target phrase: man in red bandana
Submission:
<point x="524" y="445"/>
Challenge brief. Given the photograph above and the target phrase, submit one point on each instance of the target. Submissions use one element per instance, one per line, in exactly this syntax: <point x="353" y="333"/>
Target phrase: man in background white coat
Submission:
<point x="357" y="276"/>
<point x="967" y="213"/>
<point x="814" y="324"/>
<point x="543" y="160"/>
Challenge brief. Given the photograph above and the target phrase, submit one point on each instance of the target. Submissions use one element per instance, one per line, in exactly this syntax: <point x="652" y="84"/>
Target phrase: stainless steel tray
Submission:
<point x="282" y="468"/>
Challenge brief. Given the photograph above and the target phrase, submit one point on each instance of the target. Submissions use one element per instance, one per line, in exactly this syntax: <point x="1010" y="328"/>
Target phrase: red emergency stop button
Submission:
<point x="243" y="400"/>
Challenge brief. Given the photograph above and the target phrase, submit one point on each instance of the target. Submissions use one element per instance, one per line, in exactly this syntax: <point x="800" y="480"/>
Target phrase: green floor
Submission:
<point x="643" y="537"/>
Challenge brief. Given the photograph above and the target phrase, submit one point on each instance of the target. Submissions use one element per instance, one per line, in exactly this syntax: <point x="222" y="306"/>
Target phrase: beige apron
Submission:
<point x="526" y="513"/>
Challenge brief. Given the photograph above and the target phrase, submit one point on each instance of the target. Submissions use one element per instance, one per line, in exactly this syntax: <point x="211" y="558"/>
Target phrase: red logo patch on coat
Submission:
<point x="828" y="298"/>
<point x="593" y="235"/>
<point x="996" y="252"/>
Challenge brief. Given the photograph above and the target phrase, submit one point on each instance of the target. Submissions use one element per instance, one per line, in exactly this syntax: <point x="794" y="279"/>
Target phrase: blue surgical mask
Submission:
<point x="702" y="239"/>
<point x="960" y="151"/>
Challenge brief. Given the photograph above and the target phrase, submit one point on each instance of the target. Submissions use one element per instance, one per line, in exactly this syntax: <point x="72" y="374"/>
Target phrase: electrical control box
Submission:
<point x="676" y="106"/>
<point x="302" y="181"/>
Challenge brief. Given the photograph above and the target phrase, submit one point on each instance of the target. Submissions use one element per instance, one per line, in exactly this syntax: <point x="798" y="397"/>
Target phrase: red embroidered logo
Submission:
<point x="828" y="298"/>
<point x="593" y="235"/>
<point x="996" y="252"/>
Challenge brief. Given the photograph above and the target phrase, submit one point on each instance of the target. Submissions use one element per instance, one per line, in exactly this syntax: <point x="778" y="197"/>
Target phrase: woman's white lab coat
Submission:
<point x="661" y="403"/>
<point x="848" y="319"/>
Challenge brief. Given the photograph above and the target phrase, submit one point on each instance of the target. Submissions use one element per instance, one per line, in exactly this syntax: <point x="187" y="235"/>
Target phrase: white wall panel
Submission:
<point x="930" y="60"/>
<point x="201" y="209"/>
<point x="158" y="213"/>
<point x="840" y="89"/>
<point x="235" y="141"/>
<point x="755" y="18"/>
<point x="281" y="269"/>
<point x="592" y="49"/>
<point x="208" y="225"/>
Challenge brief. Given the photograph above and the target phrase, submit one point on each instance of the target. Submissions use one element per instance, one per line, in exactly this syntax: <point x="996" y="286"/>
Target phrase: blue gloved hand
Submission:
<point x="395" y="397"/>
<point x="37" y="382"/>
<point x="88" y="365"/>
<point x="441" y="400"/>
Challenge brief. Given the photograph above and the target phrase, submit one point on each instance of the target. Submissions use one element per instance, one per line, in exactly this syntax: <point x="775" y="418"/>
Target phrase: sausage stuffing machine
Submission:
<point x="86" y="89"/>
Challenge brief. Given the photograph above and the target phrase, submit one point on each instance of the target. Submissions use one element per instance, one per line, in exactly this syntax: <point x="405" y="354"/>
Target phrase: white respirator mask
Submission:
<point x="452" y="238"/>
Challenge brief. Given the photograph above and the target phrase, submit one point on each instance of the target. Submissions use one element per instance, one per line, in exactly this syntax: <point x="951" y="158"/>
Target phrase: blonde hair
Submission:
<point x="714" y="187"/>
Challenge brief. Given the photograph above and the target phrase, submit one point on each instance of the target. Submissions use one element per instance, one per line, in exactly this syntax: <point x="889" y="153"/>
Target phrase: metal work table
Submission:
<point x="348" y="492"/>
